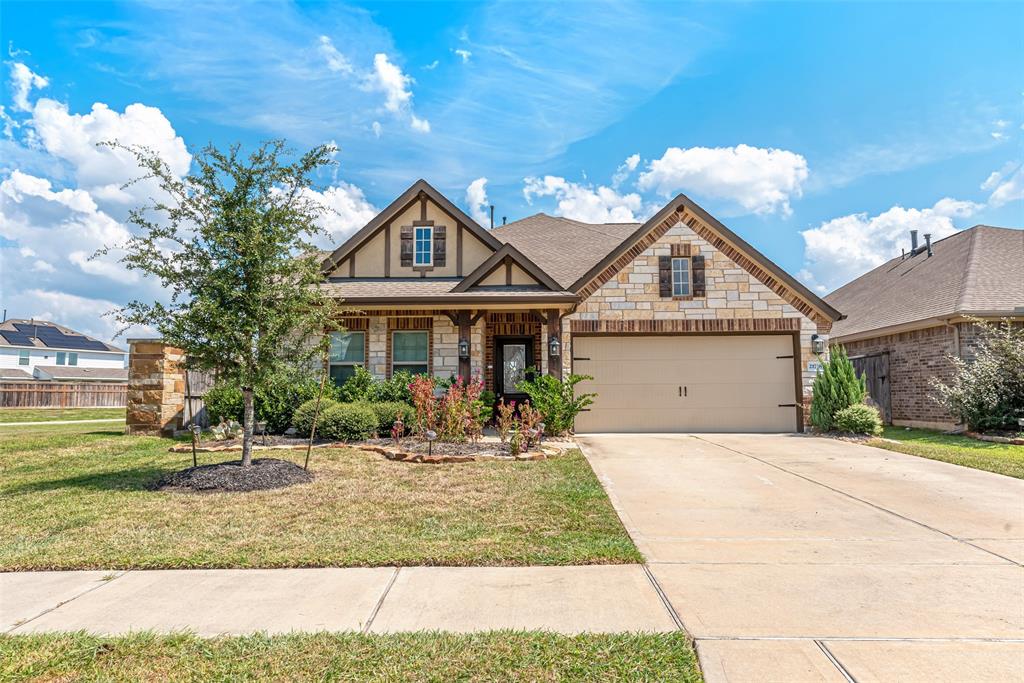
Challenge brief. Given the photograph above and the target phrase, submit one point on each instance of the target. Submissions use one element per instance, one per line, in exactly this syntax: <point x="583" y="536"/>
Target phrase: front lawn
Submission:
<point x="77" y="499"/>
<point x="493" y="656"/>
<point x="8" y="415"/>
<point x="959" y="450"/>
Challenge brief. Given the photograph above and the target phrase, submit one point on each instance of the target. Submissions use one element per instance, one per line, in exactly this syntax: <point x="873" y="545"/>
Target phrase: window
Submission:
<point x="409" y="352"/>
<point x="424" y="248"/>
<point x="347" y="350"/>
<point x="61" y="357"/>
<point x="23" y="357"/>
<point x="681" y="277"/>
<point x="72" y="358"/>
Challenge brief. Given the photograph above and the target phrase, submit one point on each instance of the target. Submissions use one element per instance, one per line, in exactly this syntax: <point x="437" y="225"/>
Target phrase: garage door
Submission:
<point x="733" y="383"/>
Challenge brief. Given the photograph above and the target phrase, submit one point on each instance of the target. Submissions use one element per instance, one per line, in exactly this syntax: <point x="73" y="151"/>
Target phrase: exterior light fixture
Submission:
<point x="463" y="348"/>
<point x="431" y="435"/>
<point x="554" y="346"/>
<point x="817" y="345"/>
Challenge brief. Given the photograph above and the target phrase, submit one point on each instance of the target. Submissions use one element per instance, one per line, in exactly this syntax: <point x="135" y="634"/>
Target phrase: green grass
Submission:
<point x="49" y="414"/>
<point x="959" y="450"/>
<point x="77" y="499"/>
<point x="493" y="656"/>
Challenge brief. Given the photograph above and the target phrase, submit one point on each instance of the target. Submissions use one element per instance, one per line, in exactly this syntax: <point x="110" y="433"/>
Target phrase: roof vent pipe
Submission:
<point x="928" y="243"/>
<point x="492" y="216"/>
<point x="913" y="242"/>
<point x="503" y="219"/>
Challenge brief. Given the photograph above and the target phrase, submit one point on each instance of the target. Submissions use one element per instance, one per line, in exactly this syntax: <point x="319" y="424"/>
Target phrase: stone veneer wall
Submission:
<point x="156" y="388"/>
<point x="733" y="294"/>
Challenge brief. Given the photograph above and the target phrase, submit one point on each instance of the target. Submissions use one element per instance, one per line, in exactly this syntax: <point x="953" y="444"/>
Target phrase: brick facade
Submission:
<point x="736" y="300"/>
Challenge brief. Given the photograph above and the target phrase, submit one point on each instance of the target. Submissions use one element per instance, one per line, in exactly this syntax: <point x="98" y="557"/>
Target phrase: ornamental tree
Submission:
<point x="837" y="386"/>
<point x="231" y="243"/>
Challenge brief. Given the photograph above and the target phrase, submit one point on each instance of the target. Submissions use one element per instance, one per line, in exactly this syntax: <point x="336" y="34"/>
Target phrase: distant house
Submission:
<point x="41" y="350"/>
<point x="906" y="317"/>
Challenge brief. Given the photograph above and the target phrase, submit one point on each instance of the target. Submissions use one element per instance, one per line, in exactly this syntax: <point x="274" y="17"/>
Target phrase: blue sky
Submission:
<point x="819" y="132"/>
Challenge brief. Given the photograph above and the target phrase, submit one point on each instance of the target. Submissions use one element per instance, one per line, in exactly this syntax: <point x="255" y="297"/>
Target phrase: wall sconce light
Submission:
<point x="817" y="345"/>
<point x="554" y="346"/>
<point x="463" y="348"/>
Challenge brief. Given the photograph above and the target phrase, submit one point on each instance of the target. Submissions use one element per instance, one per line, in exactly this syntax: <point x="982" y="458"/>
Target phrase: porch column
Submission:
<point x="554" y="330"/>
<point x="465" y="334"/>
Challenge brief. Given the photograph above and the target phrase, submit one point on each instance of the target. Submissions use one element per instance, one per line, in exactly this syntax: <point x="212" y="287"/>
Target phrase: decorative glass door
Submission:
<point x="513" y="365"/>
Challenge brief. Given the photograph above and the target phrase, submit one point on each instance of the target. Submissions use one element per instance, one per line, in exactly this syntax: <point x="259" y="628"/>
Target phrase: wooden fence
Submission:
<point x="196" y="386"/>
<point x="62" y="395"/>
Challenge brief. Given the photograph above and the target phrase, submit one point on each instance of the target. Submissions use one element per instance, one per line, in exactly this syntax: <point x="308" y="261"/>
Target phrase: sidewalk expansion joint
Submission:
<point x="835" y="662"/>
<point x="666" y="602"/>
<point x="101" y="584"/>
<point x="380" y="601"/>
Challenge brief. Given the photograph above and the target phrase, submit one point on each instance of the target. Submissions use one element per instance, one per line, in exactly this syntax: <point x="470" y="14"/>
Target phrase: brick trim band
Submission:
<point x="685" y="326"/>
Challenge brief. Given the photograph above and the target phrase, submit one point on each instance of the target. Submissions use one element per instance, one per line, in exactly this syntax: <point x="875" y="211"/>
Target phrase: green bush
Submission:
<point x="386" y="412"/>
<point x="987" y="392"/>
<point x="363" y="386"/>
<point x="347" y="422"/>
<point x="836" y="387"/>
<point x="302" y="418"/>
<point x="556" y="400"/>
<point x="859" y="419"/>
<point x="274" y="404"/>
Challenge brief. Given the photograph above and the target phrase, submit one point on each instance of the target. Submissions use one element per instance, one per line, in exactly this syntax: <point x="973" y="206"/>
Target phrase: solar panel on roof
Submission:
<point x="16" y="338"/>
<point x="54" y="338"/>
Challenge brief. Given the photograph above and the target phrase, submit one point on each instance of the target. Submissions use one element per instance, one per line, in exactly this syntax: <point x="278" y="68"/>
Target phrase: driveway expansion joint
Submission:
<point x="676" y="619"/>
<point x="835" y="662"/>
<point x="380" y="602"/>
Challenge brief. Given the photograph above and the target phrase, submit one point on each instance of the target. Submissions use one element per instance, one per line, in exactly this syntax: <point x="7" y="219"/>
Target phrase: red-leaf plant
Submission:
<point x="530" y="419"/>
<point x="506" y="420"/>
<point x="422" y="390"/>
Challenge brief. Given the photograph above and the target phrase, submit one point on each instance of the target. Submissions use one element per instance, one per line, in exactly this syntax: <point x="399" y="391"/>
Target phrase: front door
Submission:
<point x="513" y="358"/>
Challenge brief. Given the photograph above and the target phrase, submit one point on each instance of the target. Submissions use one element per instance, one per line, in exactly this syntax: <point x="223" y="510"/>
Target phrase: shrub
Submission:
<point x="836" y="387"/>
<point x="556" y="400"/>
<point x="988" y="392"/>
<point x="422" y="390"/>
<point x="506" y="419"/>
<point x="386" y="412"/>
<point x="347" y="422"/>
<point x="302" y="418"/>
<point x="274" y="403"/>
<point x="359" y="387"/>
<point x="859" y="419"/>
<point x="395" y="388"/>
<point x="363" y="386"/>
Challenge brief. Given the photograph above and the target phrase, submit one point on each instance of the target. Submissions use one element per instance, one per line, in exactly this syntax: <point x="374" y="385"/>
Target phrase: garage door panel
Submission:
<point x="732" y="383"/>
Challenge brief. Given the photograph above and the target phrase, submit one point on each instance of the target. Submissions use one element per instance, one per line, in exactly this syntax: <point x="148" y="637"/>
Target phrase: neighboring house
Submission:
<point x="42" y="350"/>
<point x="906" y="317"/>
<point x="683" y="325"/>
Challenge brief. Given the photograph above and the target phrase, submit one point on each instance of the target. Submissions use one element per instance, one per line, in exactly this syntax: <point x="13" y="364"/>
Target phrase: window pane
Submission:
<point x="413" y="369"/>
<point x="72" y="358"/>
<point x="680" y="277"/>
<point x="409" y="347"/>
<point x="23" y="357"/>
<point x="423" y="245"/>
<point x="341" y="373"/>
<point x="347" y="347"/>
<point x="60" y="358"/>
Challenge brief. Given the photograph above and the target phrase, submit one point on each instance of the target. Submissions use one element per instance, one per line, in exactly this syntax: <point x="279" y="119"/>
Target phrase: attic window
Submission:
<point x="680" y="277"/>
<point x="424" y="248"/>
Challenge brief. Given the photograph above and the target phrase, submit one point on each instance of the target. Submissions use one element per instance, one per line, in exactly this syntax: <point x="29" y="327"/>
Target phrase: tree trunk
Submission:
<point x="248" y="420"/>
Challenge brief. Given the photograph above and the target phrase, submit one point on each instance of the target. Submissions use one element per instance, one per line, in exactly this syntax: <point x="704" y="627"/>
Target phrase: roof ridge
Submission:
<point x="968" y="279"/>
<point x="592" y="227"/>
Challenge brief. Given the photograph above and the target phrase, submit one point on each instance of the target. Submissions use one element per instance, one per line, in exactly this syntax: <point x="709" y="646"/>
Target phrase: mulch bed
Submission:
<point x="263" y="474"/>
<point x="258" y="443"/>
<point x="421" y="446"/>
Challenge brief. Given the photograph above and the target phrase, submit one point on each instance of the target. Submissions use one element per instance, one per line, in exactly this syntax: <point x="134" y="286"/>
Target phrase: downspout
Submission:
<point x="956" y="337"/>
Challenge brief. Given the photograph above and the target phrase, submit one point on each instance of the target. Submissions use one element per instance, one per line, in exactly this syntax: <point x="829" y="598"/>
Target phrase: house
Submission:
<point x="905" y="318"/>
<point x="681" y="323"/>
<point x="41" y="350"/>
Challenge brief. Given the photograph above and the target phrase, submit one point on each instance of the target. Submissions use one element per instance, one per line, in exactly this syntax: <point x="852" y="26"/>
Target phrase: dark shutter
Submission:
<point x="665" y="276"/>
<point x="405" y="245"/>
<point x="697" y="266"/>
<point x="439" y="245"/>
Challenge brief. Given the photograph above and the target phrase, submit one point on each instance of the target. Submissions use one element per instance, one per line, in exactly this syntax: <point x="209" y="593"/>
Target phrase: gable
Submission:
<point x="376" y="251"/>
<point x="507" y="267"/>
<point x="684" y="213"/>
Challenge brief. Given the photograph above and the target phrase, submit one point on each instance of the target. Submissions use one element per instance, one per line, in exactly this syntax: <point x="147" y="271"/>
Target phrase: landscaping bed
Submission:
<point x="82" y="500"/>
<point x="491" y="656"/>
<point x="262" y="475"/>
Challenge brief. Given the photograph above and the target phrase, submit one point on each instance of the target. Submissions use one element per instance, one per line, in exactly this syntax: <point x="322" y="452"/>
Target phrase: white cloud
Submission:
<point x="476" y="199"/>
<point x="625" y="169"/>
<point x="583" y="202"/>
<point x="23" y="80"/>
<point x="843" y="248"/>
<point x="1006" y="184"/>
<point x="43" y="266"/>
<point x="87" y="315"/>
<point x="335" y="60"/>
<point x="432" y="65"/>
<point x="758" y="180"/>
<point x="376" y="127"/>
<point x="419" y="125"/>
<point x="388" y="78"/>
<point x="347" y="211"/>
<point x="464" y="55"/>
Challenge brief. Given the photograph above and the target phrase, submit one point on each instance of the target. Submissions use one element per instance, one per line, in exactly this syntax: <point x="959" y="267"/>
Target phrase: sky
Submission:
<point x="821" y="133"/>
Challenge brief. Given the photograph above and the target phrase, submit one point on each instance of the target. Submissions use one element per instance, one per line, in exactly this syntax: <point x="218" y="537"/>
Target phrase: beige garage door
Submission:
<point x="729" y="383"/>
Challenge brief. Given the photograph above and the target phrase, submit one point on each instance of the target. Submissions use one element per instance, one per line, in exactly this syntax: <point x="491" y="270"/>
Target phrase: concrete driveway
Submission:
<point x="793" y="558"/>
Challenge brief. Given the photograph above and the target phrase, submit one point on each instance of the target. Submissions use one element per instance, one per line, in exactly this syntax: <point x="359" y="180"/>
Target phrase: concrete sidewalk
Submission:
<point x="601" y="598"/>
